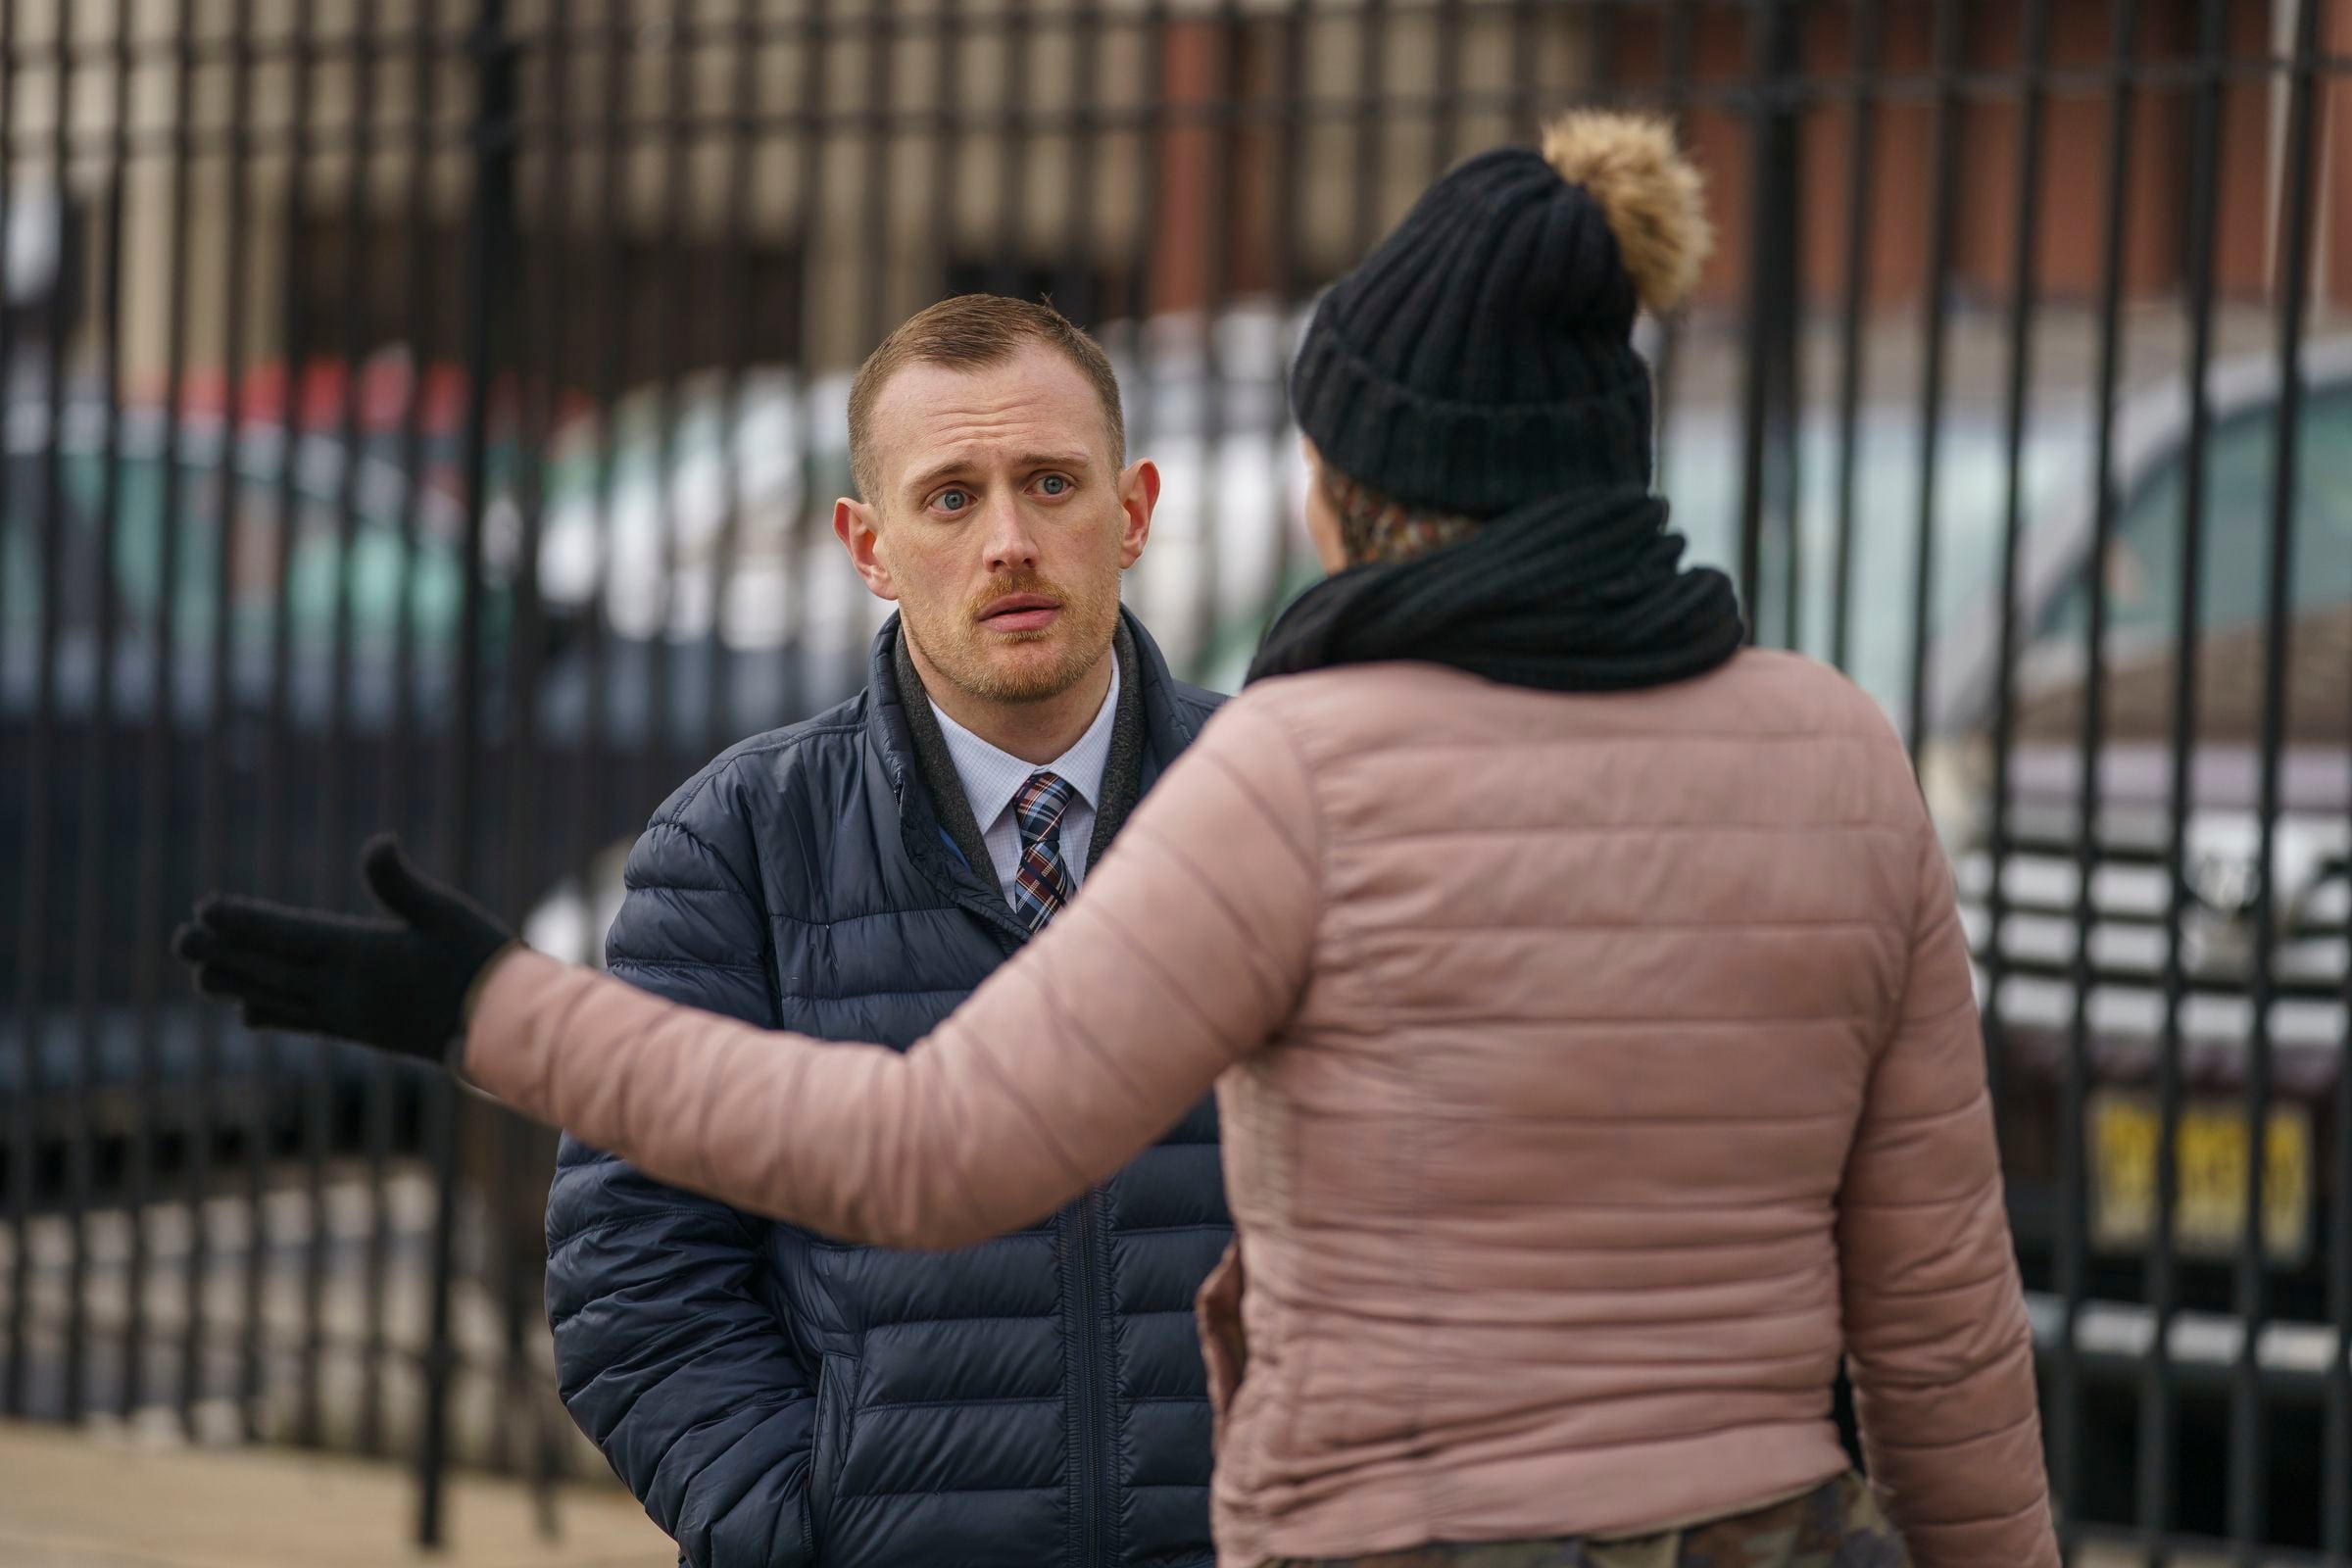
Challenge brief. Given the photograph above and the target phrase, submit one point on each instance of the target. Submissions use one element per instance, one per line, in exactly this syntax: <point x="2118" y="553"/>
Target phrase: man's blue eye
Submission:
<point x="1055" y="484"/>
<point x="954" y="500"/>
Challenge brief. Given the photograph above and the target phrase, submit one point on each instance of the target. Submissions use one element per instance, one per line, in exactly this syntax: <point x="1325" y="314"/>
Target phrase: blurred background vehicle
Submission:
<point x="2156" y="1012"/>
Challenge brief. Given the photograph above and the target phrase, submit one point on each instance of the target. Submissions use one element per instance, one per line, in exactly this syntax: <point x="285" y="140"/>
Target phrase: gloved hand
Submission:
<point x="399" y="985"/>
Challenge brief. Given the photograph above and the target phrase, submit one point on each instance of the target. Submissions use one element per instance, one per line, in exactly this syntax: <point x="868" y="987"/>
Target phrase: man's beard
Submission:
<point x="959" y="648"/>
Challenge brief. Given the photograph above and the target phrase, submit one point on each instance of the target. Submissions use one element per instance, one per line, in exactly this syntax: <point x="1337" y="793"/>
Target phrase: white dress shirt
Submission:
<point x="991" y="777"/>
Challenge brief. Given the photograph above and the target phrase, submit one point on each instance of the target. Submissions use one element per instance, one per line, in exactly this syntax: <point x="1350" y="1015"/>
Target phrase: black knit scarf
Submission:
<point x="1582" y="594"/>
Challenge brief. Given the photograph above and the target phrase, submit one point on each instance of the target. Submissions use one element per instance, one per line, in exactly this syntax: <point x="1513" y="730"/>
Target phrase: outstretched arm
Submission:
<point x="1187" y="949"/>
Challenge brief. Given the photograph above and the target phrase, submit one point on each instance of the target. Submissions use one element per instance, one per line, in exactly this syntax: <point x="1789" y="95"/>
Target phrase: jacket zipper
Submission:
<point x="1081" y="1225"/>
<point x="1083" y="1228"/>
<point x="1092" y="1390"/>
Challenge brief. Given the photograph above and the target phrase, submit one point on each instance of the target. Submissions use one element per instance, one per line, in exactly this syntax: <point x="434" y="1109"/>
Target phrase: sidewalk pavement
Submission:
<point x="69" y="1499"/>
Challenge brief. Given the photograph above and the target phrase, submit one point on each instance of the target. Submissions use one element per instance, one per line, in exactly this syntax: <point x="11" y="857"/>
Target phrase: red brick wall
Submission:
<point x="2071" y="201"/>
<point x="2071" y="205"/>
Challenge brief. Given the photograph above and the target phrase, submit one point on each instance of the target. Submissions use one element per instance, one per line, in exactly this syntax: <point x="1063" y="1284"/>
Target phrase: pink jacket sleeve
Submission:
<point x="1187" y="947"/>
<point x="1941" y="1351"/>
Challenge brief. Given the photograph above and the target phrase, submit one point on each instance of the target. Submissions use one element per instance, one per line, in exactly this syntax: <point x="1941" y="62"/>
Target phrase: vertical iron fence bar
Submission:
<point x="654" y="391"/>
<point x="1150" y="138"/>
<point x="1077" y="294"/>
<point x="33" y="923"/>
<point x="808" y="226"/>
<point x="1605" y="76"/>
<point x="589" y="798"/>
<point x="516" y="840"/>
<point x="274" y="786"/>
<point x="518" y="1262"/>
<point x="23" y="1123"/>
<point x="727" y="399"/>
<point x="8" y="335"/>
<point x="1762" y="300"/>
<point x="214" y="808"/>
<point x="1676" y="44"/>
<point x="2336" y="1453"/>
<point x="421" y="275"/>
<point x="2160" y="1410"/>
<point x="158" y="777"/>
<point x="90" y="885"/>
<point x="1289" y="199"/>
<point x="394" y="802"/>
<point x="1371" y="121"/>
<point x="1005" y="269"/>
<point x="1445" y="119"/>
<point x="658" y="764"/>
<point x="376" y="1105"/>
<point x="875" y="224"/>
<point x="1526" y="67"/>
<point x="490" y="240"/>
<point x="1861" y="193"/>
<point x="2067" y="1436"/>
<point x="1216" y="245"/>
<point x="946" y="95"/>
<point x="330" y="868"/>
<point x="1783" y="476"/>
<point x="1771" y="302"/>
<point x="803" y="499"/>
<point x="2072" y="1219"/>
<point x="529" y="770"/>
<point x="574" y="830"/>
<point x="1944" y="140"/>
<point x="2249" y="1511"/>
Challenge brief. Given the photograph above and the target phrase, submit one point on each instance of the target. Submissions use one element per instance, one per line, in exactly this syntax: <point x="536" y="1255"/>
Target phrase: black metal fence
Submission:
<point x="425" y="413"/>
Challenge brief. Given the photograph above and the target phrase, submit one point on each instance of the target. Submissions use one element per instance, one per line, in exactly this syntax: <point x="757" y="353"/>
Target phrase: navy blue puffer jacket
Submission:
<point x="778" y="1400"/>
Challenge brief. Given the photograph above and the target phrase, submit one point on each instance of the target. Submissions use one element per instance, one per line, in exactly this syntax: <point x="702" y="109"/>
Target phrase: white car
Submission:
<point x="708" y="508"/>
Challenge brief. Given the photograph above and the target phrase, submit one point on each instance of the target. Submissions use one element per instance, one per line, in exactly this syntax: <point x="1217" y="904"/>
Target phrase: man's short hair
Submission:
<point x="973" y="333"/>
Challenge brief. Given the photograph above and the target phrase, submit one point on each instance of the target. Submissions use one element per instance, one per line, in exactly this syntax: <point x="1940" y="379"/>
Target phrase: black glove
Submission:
<point x="399" y="984"/>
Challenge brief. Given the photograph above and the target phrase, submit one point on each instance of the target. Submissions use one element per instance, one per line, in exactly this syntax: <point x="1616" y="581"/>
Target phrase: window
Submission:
<point x="2142" y="568"/>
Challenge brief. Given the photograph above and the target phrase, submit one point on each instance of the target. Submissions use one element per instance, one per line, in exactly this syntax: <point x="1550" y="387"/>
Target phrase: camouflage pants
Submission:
<point x="1835" y="1526"/>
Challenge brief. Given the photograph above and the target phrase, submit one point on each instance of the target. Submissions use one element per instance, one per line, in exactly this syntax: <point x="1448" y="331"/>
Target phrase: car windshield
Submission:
<point x="2142" y="570"/>
<point x="1703" y="475"/>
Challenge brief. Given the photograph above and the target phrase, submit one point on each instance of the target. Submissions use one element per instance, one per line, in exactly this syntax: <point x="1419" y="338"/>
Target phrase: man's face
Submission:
<point x="1000" y="523"/>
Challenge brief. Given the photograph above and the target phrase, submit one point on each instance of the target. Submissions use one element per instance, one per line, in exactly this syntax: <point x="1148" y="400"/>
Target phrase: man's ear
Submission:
<point x="854" y="526"/>
<point x="1139" y="493"/>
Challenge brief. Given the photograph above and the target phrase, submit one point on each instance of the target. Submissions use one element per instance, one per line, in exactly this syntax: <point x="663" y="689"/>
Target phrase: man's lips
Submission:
<point x="1019" y="612"/>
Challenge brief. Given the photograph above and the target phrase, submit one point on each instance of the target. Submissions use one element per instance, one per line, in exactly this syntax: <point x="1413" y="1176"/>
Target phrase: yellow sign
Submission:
<point x="2210" y="1148"/>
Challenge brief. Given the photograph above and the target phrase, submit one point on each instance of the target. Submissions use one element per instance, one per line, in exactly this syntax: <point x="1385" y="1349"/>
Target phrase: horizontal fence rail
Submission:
<point x="426" y="413"/>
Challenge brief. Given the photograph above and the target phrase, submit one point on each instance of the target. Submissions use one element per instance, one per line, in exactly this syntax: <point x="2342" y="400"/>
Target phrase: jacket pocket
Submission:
<point x="836" y="1395"/>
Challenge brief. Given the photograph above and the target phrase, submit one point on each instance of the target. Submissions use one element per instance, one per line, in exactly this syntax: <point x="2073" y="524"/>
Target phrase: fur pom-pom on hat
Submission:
<point x="1655" y="197"/>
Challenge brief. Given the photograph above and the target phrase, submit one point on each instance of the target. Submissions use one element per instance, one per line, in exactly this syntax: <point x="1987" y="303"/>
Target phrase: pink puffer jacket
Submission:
<point x="1595" y="1070"/>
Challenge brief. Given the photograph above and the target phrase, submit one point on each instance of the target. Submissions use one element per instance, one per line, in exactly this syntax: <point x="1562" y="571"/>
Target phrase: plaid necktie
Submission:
<point x="1041" y="885"/>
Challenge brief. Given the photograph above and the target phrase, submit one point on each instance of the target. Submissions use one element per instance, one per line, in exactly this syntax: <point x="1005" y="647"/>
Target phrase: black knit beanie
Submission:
<point x="1482" y="356"/>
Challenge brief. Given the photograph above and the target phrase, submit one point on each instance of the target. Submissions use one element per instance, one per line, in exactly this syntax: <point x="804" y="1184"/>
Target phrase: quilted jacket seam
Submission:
<point x="675" y="821"/>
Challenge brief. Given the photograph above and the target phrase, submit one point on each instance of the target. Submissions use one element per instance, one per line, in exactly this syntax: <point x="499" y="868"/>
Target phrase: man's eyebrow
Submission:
<point x="952" y="468"/>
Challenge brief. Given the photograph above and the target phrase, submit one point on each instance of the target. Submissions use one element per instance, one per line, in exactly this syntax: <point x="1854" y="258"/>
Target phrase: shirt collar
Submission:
<point x="991" y="777"/>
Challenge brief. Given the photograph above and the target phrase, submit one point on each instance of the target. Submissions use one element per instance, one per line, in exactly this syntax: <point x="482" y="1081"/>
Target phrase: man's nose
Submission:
<point x="1011" y="546"/>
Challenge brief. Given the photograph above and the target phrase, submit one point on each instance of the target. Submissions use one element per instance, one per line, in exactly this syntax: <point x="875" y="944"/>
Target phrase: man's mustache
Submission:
<point x="1028" y="582"/>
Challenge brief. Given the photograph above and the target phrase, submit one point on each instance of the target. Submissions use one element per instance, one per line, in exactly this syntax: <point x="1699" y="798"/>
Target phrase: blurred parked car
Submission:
<point x="105" y="705"/>
<point x="2031" y="983"/>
